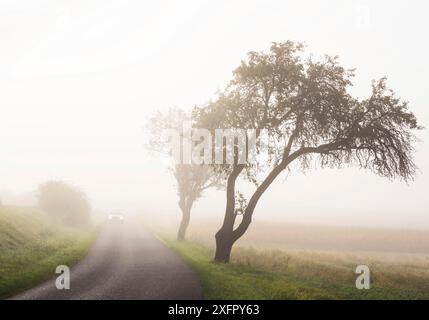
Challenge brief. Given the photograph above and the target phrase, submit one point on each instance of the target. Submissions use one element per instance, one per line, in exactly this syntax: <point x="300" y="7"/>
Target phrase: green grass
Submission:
<point x="32" y="246"/>
<point x="278" y="274"/>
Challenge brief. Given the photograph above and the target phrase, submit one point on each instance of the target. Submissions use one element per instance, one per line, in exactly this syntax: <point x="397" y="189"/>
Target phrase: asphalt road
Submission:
<point x="126" y="262"/>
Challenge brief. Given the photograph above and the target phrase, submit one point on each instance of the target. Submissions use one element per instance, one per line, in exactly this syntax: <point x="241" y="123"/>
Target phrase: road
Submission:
<point x="125" y="262"/>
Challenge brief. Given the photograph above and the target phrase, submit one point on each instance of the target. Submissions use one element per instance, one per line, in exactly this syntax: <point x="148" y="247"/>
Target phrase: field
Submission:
<point x="32" y="246"/>
<point x="276" y="261"/>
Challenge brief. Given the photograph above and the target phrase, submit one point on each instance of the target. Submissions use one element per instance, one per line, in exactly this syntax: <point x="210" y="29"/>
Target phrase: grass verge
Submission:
<point x="32" y="246"/>
<point x="277" y="274"/>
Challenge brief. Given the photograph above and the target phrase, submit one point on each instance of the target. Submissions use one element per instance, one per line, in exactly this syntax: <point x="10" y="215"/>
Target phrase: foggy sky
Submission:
<point x="78" y="79"/>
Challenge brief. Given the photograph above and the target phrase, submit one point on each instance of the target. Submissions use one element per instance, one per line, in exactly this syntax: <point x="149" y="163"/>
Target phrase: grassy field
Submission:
<point x="283" y="271"/>
<point x="32" y="246"/>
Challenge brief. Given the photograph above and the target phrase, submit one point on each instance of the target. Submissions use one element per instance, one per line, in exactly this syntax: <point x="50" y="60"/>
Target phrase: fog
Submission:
<point x="79" y="78"/>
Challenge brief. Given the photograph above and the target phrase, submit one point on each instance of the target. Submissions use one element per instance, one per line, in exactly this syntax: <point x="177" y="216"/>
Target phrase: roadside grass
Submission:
<point x="289" y="275"/>
<point x="32" y="246"/>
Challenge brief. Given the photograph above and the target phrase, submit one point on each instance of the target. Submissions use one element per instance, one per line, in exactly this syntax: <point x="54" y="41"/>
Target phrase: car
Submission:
<point x="116" y="218"/>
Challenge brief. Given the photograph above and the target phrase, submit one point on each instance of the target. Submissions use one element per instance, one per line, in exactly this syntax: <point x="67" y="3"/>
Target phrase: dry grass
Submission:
<point x="313" y="262"/>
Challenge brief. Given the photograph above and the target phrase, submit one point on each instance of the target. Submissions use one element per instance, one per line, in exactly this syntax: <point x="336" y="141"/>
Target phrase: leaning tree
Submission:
<point x="310" y="117"/>
<point x="192" y="179"/>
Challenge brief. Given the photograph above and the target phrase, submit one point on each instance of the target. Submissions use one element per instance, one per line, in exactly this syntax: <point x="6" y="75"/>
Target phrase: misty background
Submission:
<point x="79" y="79"/>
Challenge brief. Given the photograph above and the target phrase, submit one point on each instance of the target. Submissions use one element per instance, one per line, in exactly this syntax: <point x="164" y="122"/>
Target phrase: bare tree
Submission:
<point x="192" y="179"/>
<point x="310" y="117"/>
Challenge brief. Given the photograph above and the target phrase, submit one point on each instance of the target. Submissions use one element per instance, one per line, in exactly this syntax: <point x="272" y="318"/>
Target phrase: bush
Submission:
<point x="64" y="202"/>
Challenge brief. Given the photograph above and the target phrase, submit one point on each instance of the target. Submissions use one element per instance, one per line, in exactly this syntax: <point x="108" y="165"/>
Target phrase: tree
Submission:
<point x="64" y="202"/>
<point x="309" y="116"/>
<point x="192" y="179"/>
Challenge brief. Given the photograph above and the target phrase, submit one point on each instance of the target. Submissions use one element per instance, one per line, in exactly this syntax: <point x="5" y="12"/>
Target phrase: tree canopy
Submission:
<point x="306" y="109"/>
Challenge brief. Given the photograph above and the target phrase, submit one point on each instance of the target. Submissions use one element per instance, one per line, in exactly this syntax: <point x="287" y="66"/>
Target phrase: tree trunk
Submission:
<point x="225" y="235"/>
<point x="184" y="223"/>
<point x="224" y="243"/>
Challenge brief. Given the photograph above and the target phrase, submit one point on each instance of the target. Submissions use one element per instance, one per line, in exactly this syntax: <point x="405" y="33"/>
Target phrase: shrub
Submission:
<point x="64" y="202"/>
